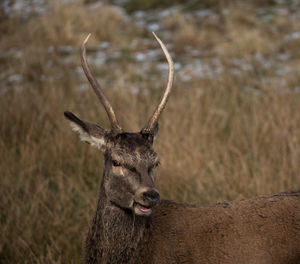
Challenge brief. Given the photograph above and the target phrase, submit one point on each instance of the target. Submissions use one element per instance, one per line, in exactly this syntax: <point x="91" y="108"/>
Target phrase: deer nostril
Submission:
<point x="151" y="197"/>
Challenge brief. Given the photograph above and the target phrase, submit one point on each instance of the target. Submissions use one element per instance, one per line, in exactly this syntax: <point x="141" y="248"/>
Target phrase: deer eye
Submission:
<point x="156" y="164"/>
<point x="116" y="163"/>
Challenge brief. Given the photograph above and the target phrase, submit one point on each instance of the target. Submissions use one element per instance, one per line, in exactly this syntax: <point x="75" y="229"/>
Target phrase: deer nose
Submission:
<point x="152" y="197"/>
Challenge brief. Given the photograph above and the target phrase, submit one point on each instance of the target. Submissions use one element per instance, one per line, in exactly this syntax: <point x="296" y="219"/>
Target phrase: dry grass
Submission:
<point x="217" y="141"/>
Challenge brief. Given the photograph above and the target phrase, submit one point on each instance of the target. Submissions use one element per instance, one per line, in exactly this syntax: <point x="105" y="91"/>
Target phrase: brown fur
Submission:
<point x="260" y="230"/>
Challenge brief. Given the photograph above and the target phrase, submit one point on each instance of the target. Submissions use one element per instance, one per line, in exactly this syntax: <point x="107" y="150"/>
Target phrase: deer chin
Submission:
<point x="141" y="210"/>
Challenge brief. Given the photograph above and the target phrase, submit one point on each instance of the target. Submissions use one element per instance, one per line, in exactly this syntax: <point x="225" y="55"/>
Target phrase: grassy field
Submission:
<point x="223" y="136"/>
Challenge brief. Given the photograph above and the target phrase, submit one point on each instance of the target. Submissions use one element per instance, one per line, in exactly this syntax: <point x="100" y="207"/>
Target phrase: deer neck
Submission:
<point x="115" y="235"/>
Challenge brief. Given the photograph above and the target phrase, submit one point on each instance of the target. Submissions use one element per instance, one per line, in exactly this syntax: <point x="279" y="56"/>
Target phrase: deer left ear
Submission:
<point x="88" y="132"/>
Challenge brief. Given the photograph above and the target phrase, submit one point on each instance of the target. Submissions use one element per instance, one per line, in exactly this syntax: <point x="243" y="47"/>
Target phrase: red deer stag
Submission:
<point x="132" y="225"/>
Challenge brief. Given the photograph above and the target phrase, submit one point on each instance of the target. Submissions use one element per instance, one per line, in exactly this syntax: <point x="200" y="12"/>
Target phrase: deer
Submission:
<point x="132" y="224"/>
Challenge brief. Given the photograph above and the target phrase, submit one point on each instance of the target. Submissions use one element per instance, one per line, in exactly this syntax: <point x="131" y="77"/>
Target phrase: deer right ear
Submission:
<point x="88" y="132"/>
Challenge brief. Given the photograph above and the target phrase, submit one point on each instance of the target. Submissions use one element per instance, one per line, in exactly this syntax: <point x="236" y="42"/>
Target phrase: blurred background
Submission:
<point x="231" y="129"/>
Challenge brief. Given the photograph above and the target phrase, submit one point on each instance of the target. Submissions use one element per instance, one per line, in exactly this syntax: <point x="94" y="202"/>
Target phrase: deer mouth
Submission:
<point x="141" y="209"/>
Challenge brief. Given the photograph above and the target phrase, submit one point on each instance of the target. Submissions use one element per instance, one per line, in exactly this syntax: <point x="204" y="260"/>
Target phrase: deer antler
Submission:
<point x="150" y="125"/>
<point x="108" y="108"/>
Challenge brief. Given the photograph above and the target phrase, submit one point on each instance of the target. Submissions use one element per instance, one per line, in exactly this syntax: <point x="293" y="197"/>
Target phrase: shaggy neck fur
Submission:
<point x="115" y="234"/>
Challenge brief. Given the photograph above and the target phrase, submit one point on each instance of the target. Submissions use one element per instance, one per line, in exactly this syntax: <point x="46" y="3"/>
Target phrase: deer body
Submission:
<point x="261" y="230"/>
<point x="132" y="225"/>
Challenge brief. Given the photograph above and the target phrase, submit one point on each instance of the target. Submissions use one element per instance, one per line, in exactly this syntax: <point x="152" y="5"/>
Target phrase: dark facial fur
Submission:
<point x="130" y="164"/>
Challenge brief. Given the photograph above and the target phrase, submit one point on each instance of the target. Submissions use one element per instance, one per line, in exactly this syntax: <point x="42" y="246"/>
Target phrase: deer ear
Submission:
<point x="88" y="132"/>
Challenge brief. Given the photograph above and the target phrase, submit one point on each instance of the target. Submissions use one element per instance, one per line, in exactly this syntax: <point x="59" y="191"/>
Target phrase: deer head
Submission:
<point x="130" y="161"/>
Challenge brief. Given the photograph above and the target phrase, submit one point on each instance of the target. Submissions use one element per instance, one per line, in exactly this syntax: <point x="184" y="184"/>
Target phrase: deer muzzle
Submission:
<point x="145" y="201"/>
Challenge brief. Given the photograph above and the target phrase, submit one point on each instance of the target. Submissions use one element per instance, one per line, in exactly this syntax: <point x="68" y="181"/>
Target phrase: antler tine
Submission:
<point x="97" y="89"/>
<point x="150" y="125"/>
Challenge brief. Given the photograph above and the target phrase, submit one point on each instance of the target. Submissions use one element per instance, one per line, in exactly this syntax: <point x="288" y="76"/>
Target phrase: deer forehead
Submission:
<point x="137" y="156"/>
<point x="131" y="147"/>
